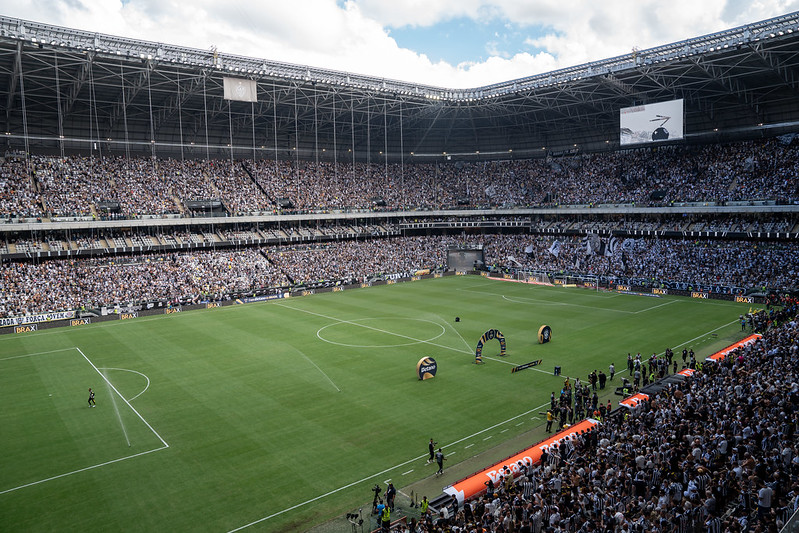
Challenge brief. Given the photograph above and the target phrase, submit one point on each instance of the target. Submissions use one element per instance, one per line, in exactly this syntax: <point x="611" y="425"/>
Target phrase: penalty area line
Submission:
<point x="83" y="469"/>
<point x="123" y="398"/>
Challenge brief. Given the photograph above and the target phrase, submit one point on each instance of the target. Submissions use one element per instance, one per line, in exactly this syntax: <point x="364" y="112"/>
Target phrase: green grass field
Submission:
<point x="286" y="413"/>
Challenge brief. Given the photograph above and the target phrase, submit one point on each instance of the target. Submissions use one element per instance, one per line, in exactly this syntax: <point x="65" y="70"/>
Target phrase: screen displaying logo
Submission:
<point x="544" y="334"/>
<point x="426" y="368"/>
<point x="25" y="329"/>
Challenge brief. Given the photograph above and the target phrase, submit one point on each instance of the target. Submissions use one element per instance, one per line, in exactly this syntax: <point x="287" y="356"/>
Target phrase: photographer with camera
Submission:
<point x="377" y="503"/>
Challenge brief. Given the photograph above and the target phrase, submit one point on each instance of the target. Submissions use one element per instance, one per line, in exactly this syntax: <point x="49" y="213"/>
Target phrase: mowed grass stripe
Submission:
<point x="255" y="427"/>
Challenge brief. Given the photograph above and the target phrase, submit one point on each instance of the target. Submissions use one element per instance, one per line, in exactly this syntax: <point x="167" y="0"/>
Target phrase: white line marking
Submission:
<point x="317" y="498"/>
<point x="468" y="446"/>
<point x="319" y="331"/>
<point x="387" y="481"/>
<point x="504" y="430"/>
<point x="317" y="367"/>
<point x="420" y="341"/>
<point x="83" y="469"/>
<point x="625" y="369"/>
<point x="565" y="304"/>
<point x="37" y="353"/>
<point x="451" y="453"/>
<point x="135" y="372"/>
<point x="123" y="399"/>
<point x="457" y="333"/>
<point x="519" y="424"/>
<point x="408" y="472"/>
<point x="489" y="437"/>
<point x="656" y="306"/>
<point x="165" y="445"/>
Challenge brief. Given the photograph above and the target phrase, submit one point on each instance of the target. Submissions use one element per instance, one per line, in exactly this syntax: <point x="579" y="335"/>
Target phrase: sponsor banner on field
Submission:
<point x="660" y="292"/>
<point x="33" y="319"/>
<point x="633" y="401"/>
<point x="366" y="284"/>
<point x="439" y="275"/>
<point x="26" y="328"/>
<point x="172" y="310"/>
<point x="525" y="366"/>
<point x="80" y="321"/>
<point x="338" y="289"/>
<point x="745" y="299"/>
<point x="623" y="288"/>
<point x="702" y="295"/>
<point x="476" y="483"/>
<point x="415" y="278"/>
<point x="460" y="273"/>
<point x="128" y="316"/>
<point x="426" y="368"/>
<point x="721" y="354"/>
<point x="484" y="274"/>
<point x="309" y="292"/>
<point x="212" y="305"/>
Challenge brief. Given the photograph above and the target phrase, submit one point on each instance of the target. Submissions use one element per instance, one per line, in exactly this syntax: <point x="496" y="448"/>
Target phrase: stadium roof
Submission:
<point x="72" y="90"/>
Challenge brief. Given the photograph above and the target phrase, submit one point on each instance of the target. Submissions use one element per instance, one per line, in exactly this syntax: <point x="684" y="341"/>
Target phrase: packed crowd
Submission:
<point x="689" y="263"/>
<point x="53" y="285"/>
<point x="723" y="458"/>
<point x="74" y="185"/>
<point x="31" y="287"/>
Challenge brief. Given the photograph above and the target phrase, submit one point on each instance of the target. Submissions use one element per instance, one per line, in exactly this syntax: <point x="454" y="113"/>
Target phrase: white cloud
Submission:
<point x="354" y="35"/>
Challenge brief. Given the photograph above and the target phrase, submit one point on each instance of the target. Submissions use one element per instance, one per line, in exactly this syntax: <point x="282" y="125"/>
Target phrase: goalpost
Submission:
<point x="537" y="278"/>
<point x="584" y="280"/>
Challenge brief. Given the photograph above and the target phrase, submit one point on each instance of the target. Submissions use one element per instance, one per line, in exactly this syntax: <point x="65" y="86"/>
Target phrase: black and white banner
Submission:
<point x="33" y="319"/>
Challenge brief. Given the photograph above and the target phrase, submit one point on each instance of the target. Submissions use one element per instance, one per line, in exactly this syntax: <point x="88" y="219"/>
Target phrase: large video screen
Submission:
<point x="651" y="123"/>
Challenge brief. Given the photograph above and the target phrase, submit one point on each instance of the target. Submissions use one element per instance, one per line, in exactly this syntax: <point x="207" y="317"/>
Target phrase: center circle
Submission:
<point x="363" y="323"/>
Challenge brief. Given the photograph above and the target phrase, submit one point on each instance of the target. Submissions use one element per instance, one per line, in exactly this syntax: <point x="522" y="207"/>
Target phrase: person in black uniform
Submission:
<point x="440" y="460"/>
<point x="431" y="447"/>
<point x="91" y="398"/>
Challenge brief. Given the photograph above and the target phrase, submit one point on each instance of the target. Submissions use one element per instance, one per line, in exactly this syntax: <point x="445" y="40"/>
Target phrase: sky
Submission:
<point x="444" y="43"/>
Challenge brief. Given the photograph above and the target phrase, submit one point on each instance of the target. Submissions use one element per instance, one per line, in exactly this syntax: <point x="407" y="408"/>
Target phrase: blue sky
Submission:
<point x="447" y="43"/>
<point x="464" y="39"/>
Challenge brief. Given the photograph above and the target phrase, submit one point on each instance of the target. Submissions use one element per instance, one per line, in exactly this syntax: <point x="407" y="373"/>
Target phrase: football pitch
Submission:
<point x="280" y="415"/>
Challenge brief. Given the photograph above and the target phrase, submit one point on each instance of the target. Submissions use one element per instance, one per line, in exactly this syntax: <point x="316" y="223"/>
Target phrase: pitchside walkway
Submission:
<point x="458" y="467"/>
